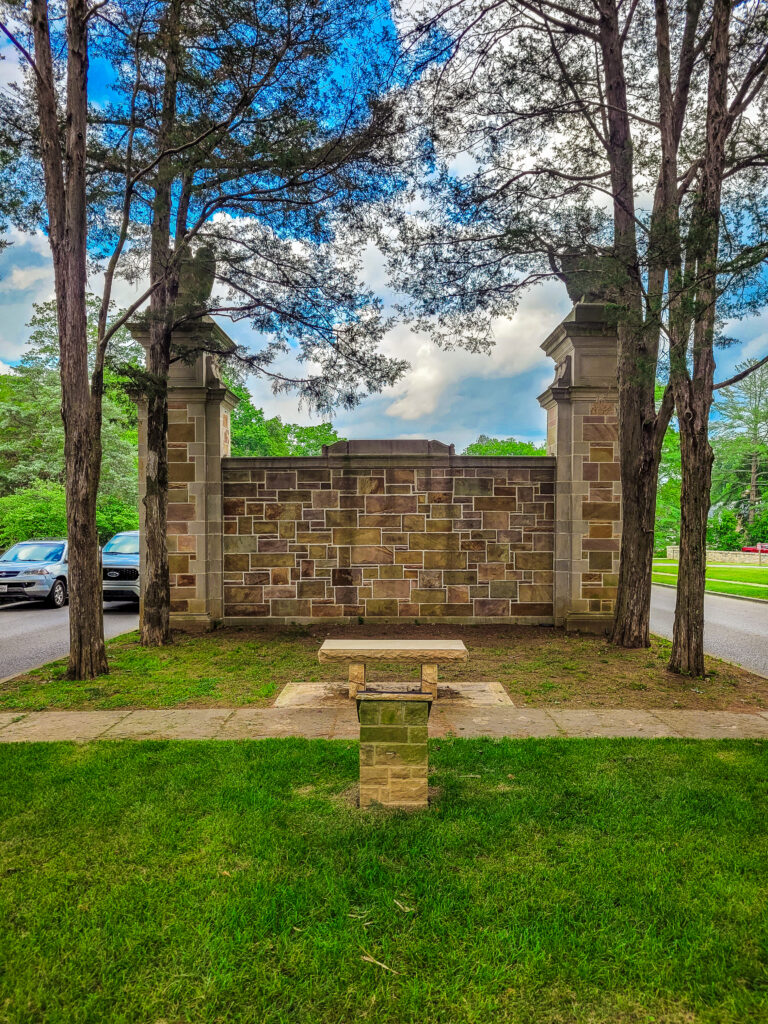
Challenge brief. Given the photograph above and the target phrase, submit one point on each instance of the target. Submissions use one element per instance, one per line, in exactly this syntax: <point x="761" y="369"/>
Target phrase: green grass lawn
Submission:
<point x="741" y="580"/>
<point x="539" y="666"/>
<point x="596" y="882"/>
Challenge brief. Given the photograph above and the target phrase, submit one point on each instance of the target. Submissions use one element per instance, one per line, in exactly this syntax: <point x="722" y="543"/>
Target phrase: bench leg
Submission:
<point x="429" y="680"/>
<point x="356" y="678"/>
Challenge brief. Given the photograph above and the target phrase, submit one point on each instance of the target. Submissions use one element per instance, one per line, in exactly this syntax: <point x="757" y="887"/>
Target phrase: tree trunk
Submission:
<point x="155" y="618"/>
<point x="80" y="408"/>
<point x="636" y="361"/>
<point x="696" y="462"/>
<point x="754" y="494"/>
<point x="694" y="390"/>
<point x="639" y="454"/>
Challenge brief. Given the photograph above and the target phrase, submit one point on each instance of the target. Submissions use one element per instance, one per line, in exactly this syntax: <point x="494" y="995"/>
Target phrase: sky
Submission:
<point x="448" y="396"/>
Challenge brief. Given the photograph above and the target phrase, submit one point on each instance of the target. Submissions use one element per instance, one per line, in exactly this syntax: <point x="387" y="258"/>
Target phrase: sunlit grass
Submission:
<point x="589" y="882"/>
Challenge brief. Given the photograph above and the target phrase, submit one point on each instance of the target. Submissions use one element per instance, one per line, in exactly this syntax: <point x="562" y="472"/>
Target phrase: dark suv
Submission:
<point x="120" y="567"/>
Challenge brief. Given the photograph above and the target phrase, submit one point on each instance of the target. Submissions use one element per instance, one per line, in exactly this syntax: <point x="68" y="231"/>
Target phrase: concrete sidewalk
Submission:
<point x="340" y="722"/>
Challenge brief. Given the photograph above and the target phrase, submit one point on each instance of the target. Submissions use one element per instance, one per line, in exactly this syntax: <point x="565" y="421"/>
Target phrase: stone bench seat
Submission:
<point x="427" y="653"/>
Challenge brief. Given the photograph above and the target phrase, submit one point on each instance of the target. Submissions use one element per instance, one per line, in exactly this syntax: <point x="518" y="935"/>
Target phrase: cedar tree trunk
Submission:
<point x="80" y="405"/>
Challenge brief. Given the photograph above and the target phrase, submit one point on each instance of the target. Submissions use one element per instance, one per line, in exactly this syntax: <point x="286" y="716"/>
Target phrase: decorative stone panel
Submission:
<point x="455" y="538"/>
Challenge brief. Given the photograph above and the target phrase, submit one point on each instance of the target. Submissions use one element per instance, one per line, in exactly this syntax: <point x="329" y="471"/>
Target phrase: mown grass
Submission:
<point x="741" y="581"/>
<point x="600" y="881"/>
<point x="539" y="666"/>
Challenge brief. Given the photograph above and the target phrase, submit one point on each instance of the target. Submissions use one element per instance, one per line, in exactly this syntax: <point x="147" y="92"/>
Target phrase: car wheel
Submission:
<point x="58" y="595"/>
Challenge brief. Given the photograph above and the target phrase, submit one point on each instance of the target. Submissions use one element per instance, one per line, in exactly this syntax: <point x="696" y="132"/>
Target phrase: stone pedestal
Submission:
<point x="582" y="432"/>
<point x="393" y="749"/>
<point x="199" y="408"/>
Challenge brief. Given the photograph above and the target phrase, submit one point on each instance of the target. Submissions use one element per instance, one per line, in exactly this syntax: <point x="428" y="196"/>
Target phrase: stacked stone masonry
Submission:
<point x="450" y="538"/>
<point x="393" y="752"/>
<point x="601" y="507"/>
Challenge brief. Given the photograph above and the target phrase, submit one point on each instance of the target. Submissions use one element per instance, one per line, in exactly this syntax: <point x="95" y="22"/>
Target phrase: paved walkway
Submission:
<point x="341" y="723"/>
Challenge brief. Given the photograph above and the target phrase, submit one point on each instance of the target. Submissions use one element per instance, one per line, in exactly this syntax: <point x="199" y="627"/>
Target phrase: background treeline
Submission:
<point x="739" y="437"/>
<point x="32" y="469"/>
<point x="32" y="502"/>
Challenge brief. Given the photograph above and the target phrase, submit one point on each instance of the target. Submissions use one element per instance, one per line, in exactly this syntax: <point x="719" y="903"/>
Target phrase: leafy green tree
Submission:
<point x="486" y="445"/>
<point x="740" y="441"/>
<point x="667" y="526"/>
<point x="254" y="434"/>
<point x="622" y="148"/>
<point x="724" y="531"/>
<point x="41" y="511"/>
<point x="251" y="128"/>
<point x="31" y="429"/>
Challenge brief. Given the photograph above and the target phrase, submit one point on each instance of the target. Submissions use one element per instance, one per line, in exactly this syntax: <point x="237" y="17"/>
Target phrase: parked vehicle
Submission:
<point x="35" y="570"/>
<point x="760" y="546"/>
<point x="120" y="567"/>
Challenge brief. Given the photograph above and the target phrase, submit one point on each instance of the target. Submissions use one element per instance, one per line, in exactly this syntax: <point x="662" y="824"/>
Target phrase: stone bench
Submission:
<point x="427" y="653"/>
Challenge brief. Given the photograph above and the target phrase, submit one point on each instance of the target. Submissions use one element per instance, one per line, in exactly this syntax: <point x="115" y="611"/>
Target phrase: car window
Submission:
<point x="122" y="544"/>
<point x="33" y="552"/>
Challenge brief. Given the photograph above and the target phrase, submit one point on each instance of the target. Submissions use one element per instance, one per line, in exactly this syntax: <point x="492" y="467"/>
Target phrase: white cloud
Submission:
<point x="23" y="278"/>
<point x="434" y="373"/>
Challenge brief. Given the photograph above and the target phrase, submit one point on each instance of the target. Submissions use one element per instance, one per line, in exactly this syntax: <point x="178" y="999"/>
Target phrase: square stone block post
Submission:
<point x="582" y="432"/>
<point x="394" y="758"/>
<point x="199" y="410"/>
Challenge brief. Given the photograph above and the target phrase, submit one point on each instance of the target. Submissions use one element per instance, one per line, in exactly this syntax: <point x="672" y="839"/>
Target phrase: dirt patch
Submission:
<point x="541" y="666"/>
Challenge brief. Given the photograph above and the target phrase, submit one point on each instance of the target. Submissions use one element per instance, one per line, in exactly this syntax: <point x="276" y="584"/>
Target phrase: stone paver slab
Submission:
<point x="261" y="723"/>
<point x="705" y="725"/>
<point x="499" y="722"/>
<point x="346" y="725"/>
<point x="171" y="724"/>
<point x="610" y="722"/>
<point x="9" y="717"/>
<point x="77" y="726"/>
<point x="322" y="694"/>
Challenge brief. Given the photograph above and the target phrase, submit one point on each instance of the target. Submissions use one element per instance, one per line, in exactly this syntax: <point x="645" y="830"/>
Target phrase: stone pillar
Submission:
<point x="582" y="432"/>
<point x="393" y="749"/>
<point x="199" y="409"/>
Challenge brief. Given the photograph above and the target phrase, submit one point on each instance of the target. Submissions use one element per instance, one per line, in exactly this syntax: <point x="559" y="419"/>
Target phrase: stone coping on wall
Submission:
<point x="278" y="462"/>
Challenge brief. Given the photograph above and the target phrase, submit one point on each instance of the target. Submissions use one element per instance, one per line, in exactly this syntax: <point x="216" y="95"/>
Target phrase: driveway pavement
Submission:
<point x="735" y="630"/>
<point x="31" y="634"/>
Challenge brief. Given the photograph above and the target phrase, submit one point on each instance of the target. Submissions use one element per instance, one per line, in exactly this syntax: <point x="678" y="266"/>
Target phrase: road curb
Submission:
<point x="715" y="593"/>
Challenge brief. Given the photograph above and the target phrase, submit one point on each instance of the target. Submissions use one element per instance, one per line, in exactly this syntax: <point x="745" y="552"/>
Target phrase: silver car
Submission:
<point x="35" y="570"/>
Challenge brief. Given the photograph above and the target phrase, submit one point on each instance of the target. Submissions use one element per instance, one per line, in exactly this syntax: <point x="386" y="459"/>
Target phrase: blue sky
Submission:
<point x="450" y="396"/>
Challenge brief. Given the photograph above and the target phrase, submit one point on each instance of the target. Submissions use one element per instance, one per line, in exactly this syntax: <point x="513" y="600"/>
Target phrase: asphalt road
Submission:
<point x="734" y="630"/>
<point x="31" y="634"/>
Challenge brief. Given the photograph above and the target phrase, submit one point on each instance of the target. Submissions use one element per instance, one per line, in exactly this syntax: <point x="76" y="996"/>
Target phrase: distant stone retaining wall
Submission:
<point x="455" y="538"/>
<point x="727" y="557"/>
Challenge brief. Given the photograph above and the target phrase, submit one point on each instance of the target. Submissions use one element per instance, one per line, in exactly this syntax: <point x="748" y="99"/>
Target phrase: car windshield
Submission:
<point x="33" y="552"/>
<point x="122" y="544"/>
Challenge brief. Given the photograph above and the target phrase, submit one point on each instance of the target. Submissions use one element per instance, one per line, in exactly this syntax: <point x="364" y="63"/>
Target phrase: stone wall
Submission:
<point x="388" y="536"/>
<point x="726" y="557"/>
<point x="397" y="529"/>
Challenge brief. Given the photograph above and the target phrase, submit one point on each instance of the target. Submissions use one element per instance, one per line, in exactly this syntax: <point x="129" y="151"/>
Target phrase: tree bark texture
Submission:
<point x="80" y="405"/>
<point x="155" y="619"/>
<point x="693" y="389"/>
<point x="636" y="372"/>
